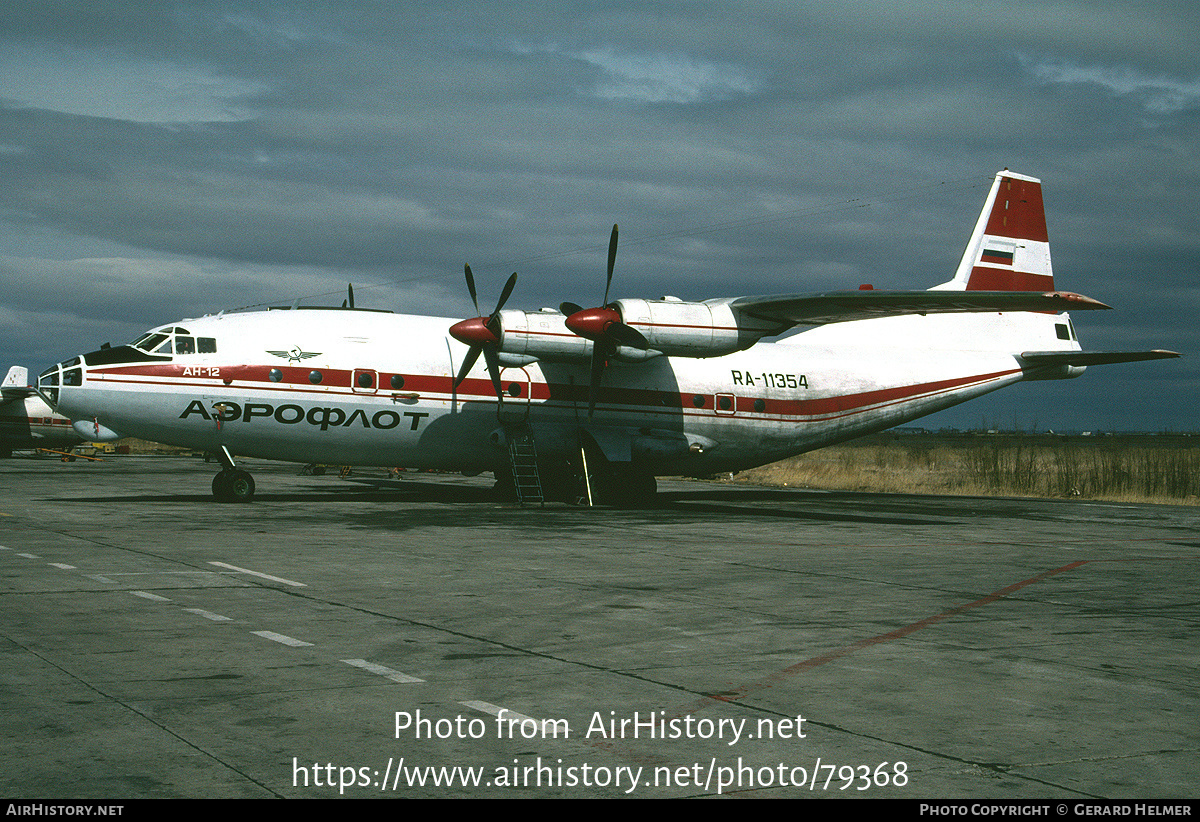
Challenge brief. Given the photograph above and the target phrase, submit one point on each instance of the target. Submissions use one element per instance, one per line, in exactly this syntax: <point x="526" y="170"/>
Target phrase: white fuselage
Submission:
<point x="376" y="388"/>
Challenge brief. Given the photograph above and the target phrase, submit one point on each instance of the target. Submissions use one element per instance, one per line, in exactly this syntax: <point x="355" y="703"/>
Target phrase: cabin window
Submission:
<point x="698" y="400"/>
<point x="760" y="405"/>
<point x="365" y="380"/>
<point x="73" y="376"/>
<point x="1063" y="332"/>
<point x="314" y="377"/>
<point x="185" y="345"/>
<point x="206" y="345"/>
<point x="397" y="381"/>
<point x="514" y="389"/>
<point x="275" y="375"/>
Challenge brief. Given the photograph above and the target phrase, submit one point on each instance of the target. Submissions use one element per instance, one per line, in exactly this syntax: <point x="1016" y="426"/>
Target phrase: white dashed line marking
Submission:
<point x="259" y="574"/>
<point x="489" y="708"/>
<point x="286" y="640"/>
<point x="211" y="615"/>
<point x="150" y="596"/>
<point x="395" y="676"/>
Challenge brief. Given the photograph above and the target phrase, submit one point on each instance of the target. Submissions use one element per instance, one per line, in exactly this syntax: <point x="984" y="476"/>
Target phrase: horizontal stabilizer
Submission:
<point x="1093" y="357"/>
<point x="844" y="306"/>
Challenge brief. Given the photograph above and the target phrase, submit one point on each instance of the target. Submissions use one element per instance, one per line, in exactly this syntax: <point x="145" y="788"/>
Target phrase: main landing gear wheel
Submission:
<point x="233" y="486"/>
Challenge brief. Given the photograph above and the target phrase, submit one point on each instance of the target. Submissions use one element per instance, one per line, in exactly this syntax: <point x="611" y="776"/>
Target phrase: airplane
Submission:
<point x="598" y="401"/>
<point x="26" y="421"/>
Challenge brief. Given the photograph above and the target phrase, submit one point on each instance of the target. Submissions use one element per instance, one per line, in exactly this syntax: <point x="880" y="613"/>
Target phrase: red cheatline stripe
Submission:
<point x="650" y="400"/>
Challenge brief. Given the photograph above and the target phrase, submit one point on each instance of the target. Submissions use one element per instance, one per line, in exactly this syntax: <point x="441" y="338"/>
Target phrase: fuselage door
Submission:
<point x="517" y="386"/>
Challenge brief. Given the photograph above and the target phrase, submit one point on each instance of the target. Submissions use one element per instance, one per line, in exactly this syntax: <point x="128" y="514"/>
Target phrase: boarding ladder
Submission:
<point x="522" y="454"/>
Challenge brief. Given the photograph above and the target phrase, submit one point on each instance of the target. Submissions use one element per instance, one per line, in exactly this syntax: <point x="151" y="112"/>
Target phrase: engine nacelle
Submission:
<point x="670" y="327"/>
<point x="685" y="329"/>
<point x="541" y="334"/>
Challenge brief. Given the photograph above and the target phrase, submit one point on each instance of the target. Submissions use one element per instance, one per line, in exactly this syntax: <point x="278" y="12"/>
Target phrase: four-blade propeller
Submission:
<point x="602" y="325"/>
<point x="482" y="334"/>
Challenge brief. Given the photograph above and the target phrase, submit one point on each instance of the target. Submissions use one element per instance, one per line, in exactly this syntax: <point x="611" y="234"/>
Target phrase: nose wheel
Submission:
<point x="233" y="486"/>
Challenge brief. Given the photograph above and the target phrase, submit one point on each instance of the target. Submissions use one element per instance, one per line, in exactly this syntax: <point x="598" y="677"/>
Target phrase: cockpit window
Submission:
<point x="174" y="341"/>
<point x="149" y="341"/>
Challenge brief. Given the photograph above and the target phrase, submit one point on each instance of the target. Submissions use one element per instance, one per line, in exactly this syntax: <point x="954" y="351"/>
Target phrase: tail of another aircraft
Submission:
<point x="1009" y="249"/>
<point x="17" y="377"/>
<point x="15" y="385"/>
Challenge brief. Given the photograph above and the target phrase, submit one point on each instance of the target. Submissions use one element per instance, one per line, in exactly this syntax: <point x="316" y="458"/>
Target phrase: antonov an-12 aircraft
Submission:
<point x="592" y="403"/>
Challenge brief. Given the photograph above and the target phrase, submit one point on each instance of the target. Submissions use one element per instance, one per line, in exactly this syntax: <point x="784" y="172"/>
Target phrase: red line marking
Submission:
<point x="771" y="680"/>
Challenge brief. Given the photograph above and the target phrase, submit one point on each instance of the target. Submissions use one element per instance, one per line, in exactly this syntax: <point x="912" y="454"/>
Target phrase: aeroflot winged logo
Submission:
<point x="295" y="355"/>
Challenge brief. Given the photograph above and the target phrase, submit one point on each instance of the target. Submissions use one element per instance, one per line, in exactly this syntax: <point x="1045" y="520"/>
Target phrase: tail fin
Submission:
<point x="17" y="377"/>
<point x="1009" y="248"/>
<point x="15" y="385"/>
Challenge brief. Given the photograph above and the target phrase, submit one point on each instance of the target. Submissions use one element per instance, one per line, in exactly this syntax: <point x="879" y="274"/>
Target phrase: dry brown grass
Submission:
<point x="1128" y="468"/>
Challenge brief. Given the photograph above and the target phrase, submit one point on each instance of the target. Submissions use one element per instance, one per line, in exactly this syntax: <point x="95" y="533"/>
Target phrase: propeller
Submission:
<point x="604" y="327"/>
<point x="482" y="334"/>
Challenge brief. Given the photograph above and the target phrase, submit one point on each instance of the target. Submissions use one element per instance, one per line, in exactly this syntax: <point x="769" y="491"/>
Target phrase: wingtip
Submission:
<point x="1078" y="300"/>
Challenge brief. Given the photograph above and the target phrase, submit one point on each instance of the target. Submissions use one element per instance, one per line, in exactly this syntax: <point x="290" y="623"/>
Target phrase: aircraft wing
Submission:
<point x="843" y="306"/>
<point x="1093" y="357"/>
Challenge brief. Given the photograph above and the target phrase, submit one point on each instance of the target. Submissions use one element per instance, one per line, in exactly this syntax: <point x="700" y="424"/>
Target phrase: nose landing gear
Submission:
<point x="232" y="484"/>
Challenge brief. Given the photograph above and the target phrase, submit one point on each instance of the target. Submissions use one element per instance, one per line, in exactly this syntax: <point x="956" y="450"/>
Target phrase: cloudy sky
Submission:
<point x="165" y="160"/>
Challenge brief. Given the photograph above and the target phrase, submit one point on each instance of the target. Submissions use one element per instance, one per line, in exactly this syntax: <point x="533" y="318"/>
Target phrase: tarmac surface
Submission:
<point x="367" y="638"/>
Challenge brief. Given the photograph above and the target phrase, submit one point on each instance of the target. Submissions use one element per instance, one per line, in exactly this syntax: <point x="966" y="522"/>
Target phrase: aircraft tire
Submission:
<point x="233" y="486"/>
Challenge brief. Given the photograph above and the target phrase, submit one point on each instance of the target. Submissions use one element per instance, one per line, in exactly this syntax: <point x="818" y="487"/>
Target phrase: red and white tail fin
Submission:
<point x="1009" y="249"/>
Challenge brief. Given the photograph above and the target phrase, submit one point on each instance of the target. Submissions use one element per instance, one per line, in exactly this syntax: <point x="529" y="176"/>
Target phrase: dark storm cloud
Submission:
<point x="181" y="158"/>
